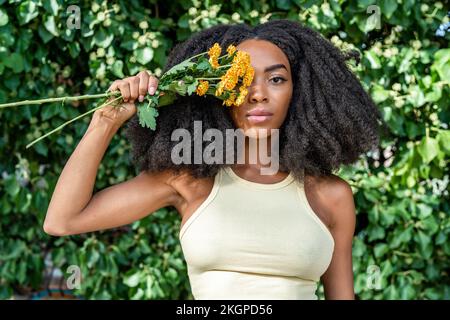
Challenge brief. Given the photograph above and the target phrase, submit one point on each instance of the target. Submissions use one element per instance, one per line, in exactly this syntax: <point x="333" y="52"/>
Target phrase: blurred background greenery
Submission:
<point x="401" y="191"/>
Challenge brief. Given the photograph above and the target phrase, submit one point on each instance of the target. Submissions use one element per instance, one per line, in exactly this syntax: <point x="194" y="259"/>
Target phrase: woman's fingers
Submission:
<point x="124" y="88"/>
<point x="113" y="86"/>
<point x="143" y="84"/>
<point x="134" y="88"/>
<point x="152" y="84"/>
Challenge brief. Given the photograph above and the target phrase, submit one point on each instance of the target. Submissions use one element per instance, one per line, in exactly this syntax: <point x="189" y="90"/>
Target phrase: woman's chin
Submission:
<point x="257" y="132"/>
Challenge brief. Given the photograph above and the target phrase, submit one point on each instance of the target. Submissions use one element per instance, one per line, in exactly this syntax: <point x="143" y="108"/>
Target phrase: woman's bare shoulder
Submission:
<point x="332" y="194"/>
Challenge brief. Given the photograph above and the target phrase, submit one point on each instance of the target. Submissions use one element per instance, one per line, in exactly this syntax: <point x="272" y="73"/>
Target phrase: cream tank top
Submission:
<point x="249" y="240"/>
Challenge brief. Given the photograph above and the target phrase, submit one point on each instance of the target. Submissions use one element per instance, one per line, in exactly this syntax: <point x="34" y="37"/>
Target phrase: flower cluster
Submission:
<point x="240" y="68"/>
<point x="232" y="69"/>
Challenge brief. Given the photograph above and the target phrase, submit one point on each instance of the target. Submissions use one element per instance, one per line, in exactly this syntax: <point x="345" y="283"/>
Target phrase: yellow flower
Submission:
<point x="243" y="93"/>
<point x="214" y="53"/>
<point x="242" y="59"/>
<point x="248" y="78"/>
<point x="229" y="102"/>
<point x="243" y="90"/>
<point x="231" y="49"/>
<point x="219" y="89"/>
<point x="239" y="56"/>
<point x="240" y="68"/>
<point x="231" y="78"/>
<point x="214" y="63"/>
<point x="239" y="100"/>
<point x="202" y="87"/>
<point x="215" y="50"/>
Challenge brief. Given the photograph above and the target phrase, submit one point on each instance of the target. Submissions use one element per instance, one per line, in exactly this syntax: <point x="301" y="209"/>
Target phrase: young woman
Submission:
<point x="244" y="235"/>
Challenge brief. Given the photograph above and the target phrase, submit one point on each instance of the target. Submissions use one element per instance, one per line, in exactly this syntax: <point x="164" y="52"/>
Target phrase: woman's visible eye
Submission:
<point x="281" y="80"/>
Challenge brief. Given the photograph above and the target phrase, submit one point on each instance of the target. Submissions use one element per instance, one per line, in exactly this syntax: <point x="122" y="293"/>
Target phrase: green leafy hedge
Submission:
<point x="401" y="191"/>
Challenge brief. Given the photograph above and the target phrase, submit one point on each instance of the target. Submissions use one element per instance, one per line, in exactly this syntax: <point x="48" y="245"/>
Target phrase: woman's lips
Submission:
<point x="258" y="119"/>
<point x="258" y="115"/>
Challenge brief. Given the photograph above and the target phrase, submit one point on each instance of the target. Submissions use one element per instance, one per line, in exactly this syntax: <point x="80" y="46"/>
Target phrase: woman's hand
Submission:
<point x="131" y="88"/>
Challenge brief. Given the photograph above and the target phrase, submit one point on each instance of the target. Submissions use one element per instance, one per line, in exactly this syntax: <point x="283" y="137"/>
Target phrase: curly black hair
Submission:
<point x="331" y="120"/>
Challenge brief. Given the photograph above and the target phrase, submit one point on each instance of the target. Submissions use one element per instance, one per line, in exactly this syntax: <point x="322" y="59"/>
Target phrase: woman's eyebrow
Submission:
<point x="274" y="67"/>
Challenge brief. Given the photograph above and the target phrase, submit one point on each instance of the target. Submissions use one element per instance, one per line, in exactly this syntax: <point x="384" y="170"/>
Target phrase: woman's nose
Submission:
<point x="257" y="94"/>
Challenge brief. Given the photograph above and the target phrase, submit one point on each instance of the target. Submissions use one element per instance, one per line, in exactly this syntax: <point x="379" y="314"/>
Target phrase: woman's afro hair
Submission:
<point x="331" y="119"/>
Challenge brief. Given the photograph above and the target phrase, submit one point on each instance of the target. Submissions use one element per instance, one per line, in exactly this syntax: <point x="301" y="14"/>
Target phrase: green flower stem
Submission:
<point x="208" y="78"/>
<point x="71" y="98"/>
<point x="72" y="120"/>
<point x="203" y="53"/>
<point x="197" y="55"/>
<point x="224" y="66"/>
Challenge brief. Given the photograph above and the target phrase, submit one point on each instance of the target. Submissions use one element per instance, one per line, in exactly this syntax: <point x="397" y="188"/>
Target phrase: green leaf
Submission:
<point x="117" y="69"/>
<point x="3" y="18"/>
<point x="381" y="249"/>
<point x="183" y="21"/>
<point x="41" y="148"/>
<point x="388" y="7"/>
<point x="428" y="149"/>
<point x="50" y="25"/>
<point x="408" y="292"/>
<point x="138" y="295"/>
<point x="442" y="64"/>
<point x="444" y="140"/>
<point x="401" y="237"/>
<point x="178" y="88"/>
<point x="430" y="224"/>
<point x="416" y="96"/>
<point x="50" y="111"/>
<point x="376" y="232"/>
<point x="12" y="187"/>
<point x="74" y="49"/>
<point x="359" y="248"/>
<point x="144" y="55"/>
<point x="44" y="34"/>
<point x="102" y="38"/>
<point x="192" y="87"/>
<point x="147" y="116"/>
<point x="379" y="94"/>
<point x="202" y="64"/>
<point x="129" y="45"/>
<point x="422" y="239"/>
<point x="373" y="59"/>
<point x="406" y="61"/>
<point x="283" y="4"/>
<point x="133" y="280"/>
<point x="365" y="3"/>
<point x="168" y="98"/>
<point x="412" y="129"/>
<point x="179" y="67"/>
<point x="51" y="6"/>
<point x="22" y="272"/>
<point x="371" y="23"/>
<point x="27" y="11"/>
<point x="148" y="290"/>
<point x="93" y="257"/>
<point x="24" y="40"/>
<point x="15" y="62"/>
<point x="434" y="95"/>
<point x="387" y="113"/>
<point x="424" y="210"/>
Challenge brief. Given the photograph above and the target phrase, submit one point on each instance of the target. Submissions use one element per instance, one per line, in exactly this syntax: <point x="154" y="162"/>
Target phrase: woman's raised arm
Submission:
<point x="72" y="208"/>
